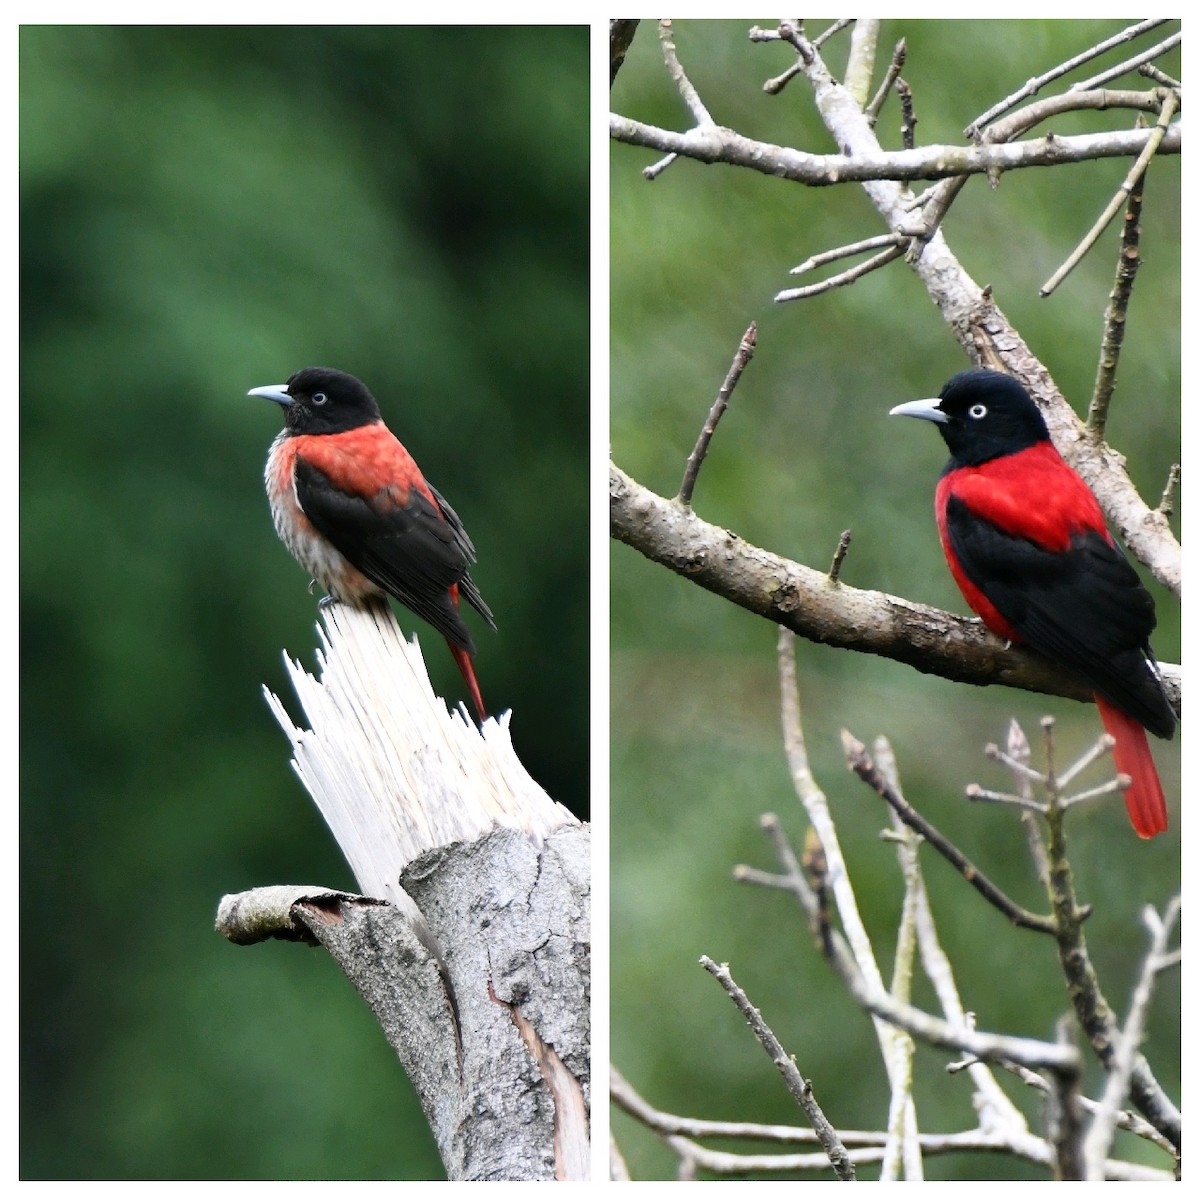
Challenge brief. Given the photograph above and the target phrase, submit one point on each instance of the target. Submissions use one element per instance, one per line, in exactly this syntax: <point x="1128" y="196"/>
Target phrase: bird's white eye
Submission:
<point x="319" y="398"/>
<point x="977" y="411"/>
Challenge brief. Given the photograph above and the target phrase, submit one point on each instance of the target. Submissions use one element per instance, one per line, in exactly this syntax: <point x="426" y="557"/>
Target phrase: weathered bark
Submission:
<point x="472" y="945"/>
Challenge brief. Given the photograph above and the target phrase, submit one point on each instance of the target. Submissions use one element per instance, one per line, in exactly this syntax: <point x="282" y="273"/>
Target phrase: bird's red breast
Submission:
<point x="368" y="463"/>
<point x="1032" y="494"/>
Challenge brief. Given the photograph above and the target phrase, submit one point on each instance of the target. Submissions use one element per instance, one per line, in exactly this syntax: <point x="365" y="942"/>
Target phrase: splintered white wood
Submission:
<point x="394" y="772"/>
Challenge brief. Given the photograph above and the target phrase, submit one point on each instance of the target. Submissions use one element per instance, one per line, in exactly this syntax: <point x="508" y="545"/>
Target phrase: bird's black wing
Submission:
<point x="409" y="550"/>
<point x="1083" y="607"/>
<point x="466" y="586"/>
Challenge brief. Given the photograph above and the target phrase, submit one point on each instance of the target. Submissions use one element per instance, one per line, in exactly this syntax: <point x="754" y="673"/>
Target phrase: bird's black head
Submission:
<point x="981" y="415"/>
<point x="322" y="400"/>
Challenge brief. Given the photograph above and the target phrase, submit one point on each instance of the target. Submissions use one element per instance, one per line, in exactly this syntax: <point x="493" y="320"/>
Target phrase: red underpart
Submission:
<point x="368" y="461"/>
<point x="1031" y="494"/>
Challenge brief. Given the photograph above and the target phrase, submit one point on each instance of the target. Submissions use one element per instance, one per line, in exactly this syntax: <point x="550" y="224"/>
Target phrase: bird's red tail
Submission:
<point x="1144" y="798"/>
<point x="468" y="673"/>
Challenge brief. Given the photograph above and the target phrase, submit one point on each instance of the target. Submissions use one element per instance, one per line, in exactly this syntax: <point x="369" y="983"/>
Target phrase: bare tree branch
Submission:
<point x="1104" y="1123"/>
<point x="716" y="144"/>
<point x="741" y="358"/>
<point x="800" y="1088"/>
<point x="1130" y="64"/>
<point x="1033" y="86"/>
<point x="1128" y="261"/>
<point x="804" y="601"/>
<point x="1170" y="103"/>
<point x="860" y="763"/>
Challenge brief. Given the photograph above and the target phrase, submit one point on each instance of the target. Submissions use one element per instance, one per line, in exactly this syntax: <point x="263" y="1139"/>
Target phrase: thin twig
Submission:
<point x="1166" y="505"/>
<point x="816" y="808"/>
<point x="848" y="251"/>
<point x="908" y="116"/>
<point x="760" y="878"/>
<point x="1160" y="77"/>
<point x="946" y="1035"/>
<point x="689" y="1156"/>
<point x="936" y="201"/>
<point x="836" y="281"/>
<point x="1123" y="68"/>
<point x="1018" y="766"/>
<point x="995" y="1109"/>
<point x="691" y="97"/>
<point x="903" y="1149"/>
<point x="1024" y="803"/>
<point x="868" y="1144"/>
<point x="756" y="33"/>
<point x="744" y="353"/>
<point x="1093" y="100"/>
<point x="654" y="170"/>
<point x="617" y="1170"/>
<point x="815" y="867"/>
<point x="794" y="35"/>
<point x="1170" y="104"/>
<point x="1127" y="1119"/>
<point x="776" y="84"/>
<point x="1120" y="784"/>
<point x="1101" y="746"/>
<point x="800" y="1088"/>
<point x="718" y="1162"/>
<point x="833" y="29"/>
<point x="860" y="763"/>
<point x="1099" y="1137"/>
<point x="894" y="68"/>
<point x="1065" y="1116"/>
<point x="1128" y="261"/>
<point x="839" y="556"/>
<point x="1033" y="86"/>
<point x="1020" y="753"/>
<point x="859" y="970"/>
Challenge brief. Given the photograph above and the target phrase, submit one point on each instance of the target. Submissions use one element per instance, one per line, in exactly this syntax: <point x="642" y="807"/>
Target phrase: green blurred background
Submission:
<point x="205" y="210"/>
<point x="806" y="451"/>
